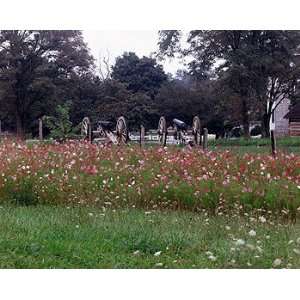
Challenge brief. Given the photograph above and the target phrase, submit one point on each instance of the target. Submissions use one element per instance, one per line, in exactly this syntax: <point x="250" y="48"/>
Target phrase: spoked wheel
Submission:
<point x="197" y="130"/>
<point x="122" y="131"/>
<point x="162" y="131"/>
<point x="86" y="128"/>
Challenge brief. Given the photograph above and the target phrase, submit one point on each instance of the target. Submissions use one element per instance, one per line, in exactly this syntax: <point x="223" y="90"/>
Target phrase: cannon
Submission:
<point x="181" y="131"/>
<point x="179" y="124"/>
<point x="105" y="131"/>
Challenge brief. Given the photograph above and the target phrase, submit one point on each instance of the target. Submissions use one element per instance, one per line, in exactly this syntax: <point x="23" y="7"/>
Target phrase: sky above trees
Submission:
<point x="116" y="42"/>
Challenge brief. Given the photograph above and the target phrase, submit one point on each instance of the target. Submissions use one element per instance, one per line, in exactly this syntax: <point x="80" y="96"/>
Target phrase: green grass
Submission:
<point x="256" y="149"/>
<point x="284" y="142"/>
<point x="83" y="237"/>
<point x="242" y="146"/>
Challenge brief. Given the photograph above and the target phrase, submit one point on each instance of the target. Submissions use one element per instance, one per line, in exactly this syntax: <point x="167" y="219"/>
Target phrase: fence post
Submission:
<point x="205" y="138"/>
<point x="273" y="143"/>
<point x="142" y="136"/>
<point x="40" y="129"/>
<point x="90" y="132"/>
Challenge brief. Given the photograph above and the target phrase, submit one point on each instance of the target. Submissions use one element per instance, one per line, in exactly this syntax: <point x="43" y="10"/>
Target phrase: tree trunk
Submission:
<point x="20" y="126"/>
<point x="265" y="125"/>
<point x="267" y="118"/>
<point x="245" y="119"/>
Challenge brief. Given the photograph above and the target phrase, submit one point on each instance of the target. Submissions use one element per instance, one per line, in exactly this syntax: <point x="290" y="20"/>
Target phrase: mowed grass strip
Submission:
<point x="256" y="145"/>
<point x="83" y="237"/>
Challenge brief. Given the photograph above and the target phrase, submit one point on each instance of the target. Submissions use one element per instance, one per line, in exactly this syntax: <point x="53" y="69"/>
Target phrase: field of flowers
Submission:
<point x="152" y="178"/>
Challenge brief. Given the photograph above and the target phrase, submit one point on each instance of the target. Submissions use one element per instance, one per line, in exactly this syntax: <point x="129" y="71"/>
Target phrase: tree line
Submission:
<point x="230" y="78"/>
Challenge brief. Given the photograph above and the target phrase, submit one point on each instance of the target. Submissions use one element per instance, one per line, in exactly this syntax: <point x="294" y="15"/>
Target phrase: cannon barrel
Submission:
<point x="180" y="124"/>
<point x="106" y="125"/>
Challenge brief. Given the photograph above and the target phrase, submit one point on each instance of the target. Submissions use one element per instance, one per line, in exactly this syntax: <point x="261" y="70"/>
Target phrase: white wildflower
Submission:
<point x="136" y="252"/>
<point x="212" y="258"/>
<point x="158" y="253"/>
<point x="277" y="262"/>
<point x="262" y="219"/>
<point x="240" y="242"/>
<point x="252" y="233"/>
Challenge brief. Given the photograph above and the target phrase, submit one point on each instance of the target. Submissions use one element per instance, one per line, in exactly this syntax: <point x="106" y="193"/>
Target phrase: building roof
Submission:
<point x="294" y="112"/>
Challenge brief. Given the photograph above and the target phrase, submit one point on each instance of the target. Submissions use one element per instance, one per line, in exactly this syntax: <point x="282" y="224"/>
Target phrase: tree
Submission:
<point x="84" y="92"/>
<point x="112" y="100"/>
<point x="184" y="98"/>
<point x="34" y="68"/>
<point x="61" y="128"/>
<point x="257" y="65"/>
<point x="142" y="75"/>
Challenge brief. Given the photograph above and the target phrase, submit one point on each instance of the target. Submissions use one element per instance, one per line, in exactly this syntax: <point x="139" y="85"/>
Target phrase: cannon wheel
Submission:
<point x="162" y="131"/>
<point x="122" y="131"/>
<point x="197" y="130"/>
<point x="86" y="128"/>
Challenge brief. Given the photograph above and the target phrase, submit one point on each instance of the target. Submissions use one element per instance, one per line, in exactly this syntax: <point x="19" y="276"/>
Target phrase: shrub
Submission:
<point x="60" y="126"/>
<point x="21" y="193"/>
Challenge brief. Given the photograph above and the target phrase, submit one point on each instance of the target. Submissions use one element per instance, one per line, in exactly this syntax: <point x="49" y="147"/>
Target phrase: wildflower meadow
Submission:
<point x="79" y="173"/>
<point x="77" y="204"/>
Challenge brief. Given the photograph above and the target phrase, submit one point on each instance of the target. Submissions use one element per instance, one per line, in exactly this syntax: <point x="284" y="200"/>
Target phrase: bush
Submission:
<point x="21" y="193"/>
<point x="60" y="126"/>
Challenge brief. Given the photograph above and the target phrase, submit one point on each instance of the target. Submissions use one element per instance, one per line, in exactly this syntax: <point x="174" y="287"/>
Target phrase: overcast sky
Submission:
<point x="117" y="42"/>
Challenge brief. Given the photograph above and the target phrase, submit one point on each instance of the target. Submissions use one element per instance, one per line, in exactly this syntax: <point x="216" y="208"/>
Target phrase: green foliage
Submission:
<point x="37" y="67"/>
<point x="255" y="67"/>
<point x="210" y="195"/>
<point x="60" y="126"/>
<point x="21" y="192"/>
<point x="139" y="74"/>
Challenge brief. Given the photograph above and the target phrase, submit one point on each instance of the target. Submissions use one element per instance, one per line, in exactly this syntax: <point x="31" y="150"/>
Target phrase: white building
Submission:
<point x="278" y="123"/>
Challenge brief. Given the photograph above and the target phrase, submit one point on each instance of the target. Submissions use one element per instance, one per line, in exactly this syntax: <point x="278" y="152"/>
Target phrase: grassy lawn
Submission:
<point x="83" y="237"/>
<point x="255" y="149"/>
<point x="242" y="146"/>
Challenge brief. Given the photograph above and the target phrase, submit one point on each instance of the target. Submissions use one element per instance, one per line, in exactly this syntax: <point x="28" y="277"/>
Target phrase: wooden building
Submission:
<point x="278" y="123"/>
<point x="293" y="117"/>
